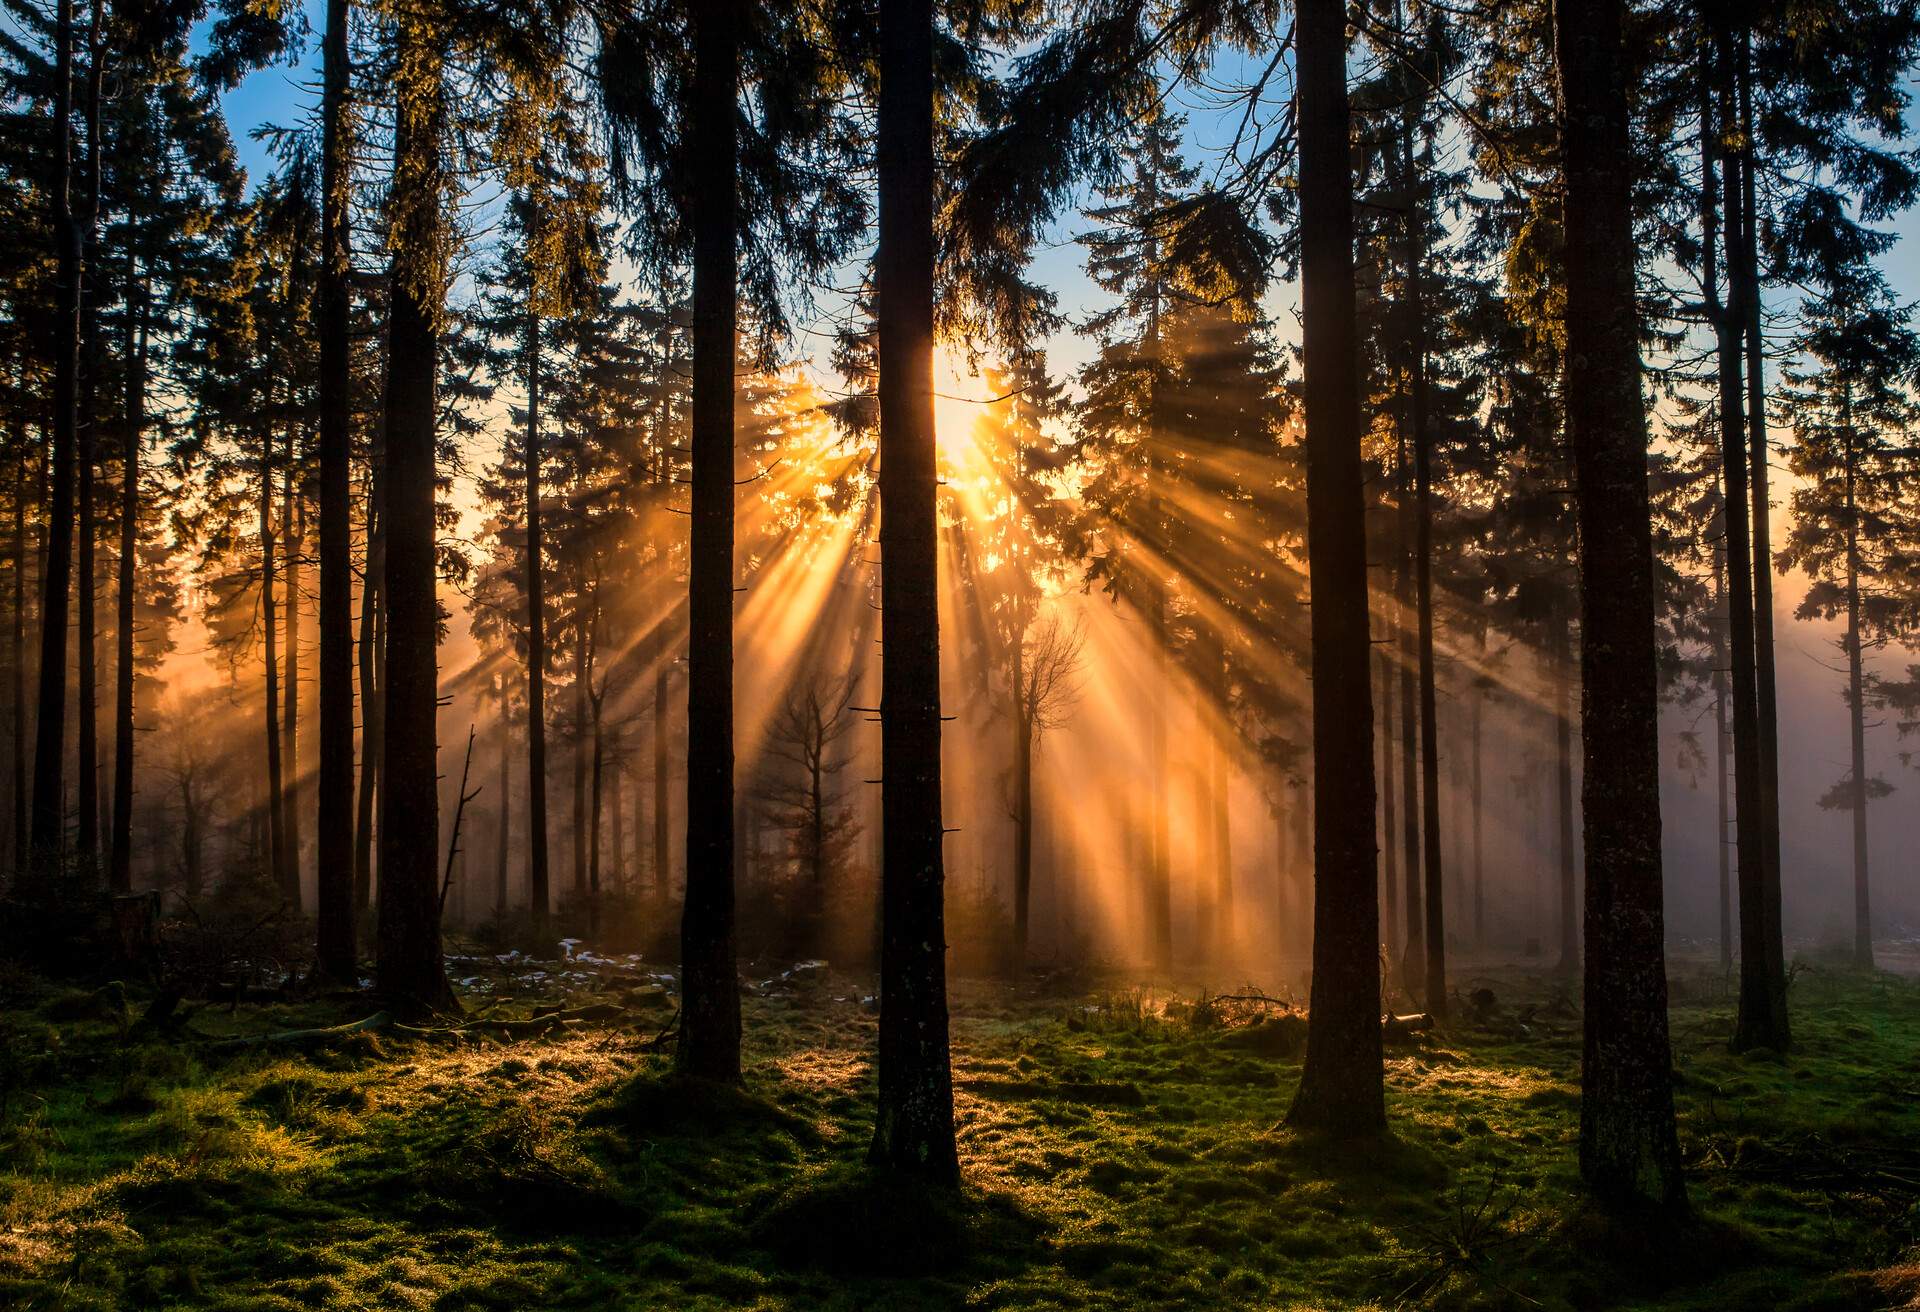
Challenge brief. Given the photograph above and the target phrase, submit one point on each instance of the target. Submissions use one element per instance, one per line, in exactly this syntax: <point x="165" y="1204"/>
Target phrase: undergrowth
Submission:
<point x="1121" y="1148"/>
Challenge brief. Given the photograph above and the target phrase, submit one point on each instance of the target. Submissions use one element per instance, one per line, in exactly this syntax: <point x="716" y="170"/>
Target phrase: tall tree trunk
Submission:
<point x="616" y="797"/>
<point x="582" y="663"/>
<point x="48" y="831"/>
<point x="1435" y="927"/>
<point x="1766" y="705"/>
<point x="1389" y="815"/>
<point x="409" y="968"/>
<point x="1856" y="706"/>
<point x="19" y="744"/>
<point x="1722" y="750"/>
<point x="710" y="1009"/>
<point x="270" y="638"/>
<point x="120" y="860"/>
<point x="334" y="903"/>
<point x="1560" y="656"/>
<point x="87" y="764"/>
<point x="295" y="520"/>
<point x="1022" y="822"/>
<point x="538" y="893"/>
<point x="913" y="1128"/>
<point x="1629" y="1148"/>
<point x="1479" y="849"/>
<point x="373" y="701"/>
<point x="505" y="834"/>
<point x="662" y="794"/>
<point x="1762" y="1019"/>
<point x="1413" y="956"/>
<point x="1340" y="1089"/>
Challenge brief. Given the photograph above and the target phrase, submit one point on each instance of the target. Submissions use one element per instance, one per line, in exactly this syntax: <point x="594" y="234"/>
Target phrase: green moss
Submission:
<point x="1117" y="1152"/>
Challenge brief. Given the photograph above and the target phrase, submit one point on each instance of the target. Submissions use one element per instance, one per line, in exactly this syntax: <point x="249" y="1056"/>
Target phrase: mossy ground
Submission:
<point x="1117" y="1152"/>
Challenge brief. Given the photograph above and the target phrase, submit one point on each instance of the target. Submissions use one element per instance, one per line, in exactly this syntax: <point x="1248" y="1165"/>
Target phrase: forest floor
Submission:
<point x="1121" y="1150"/>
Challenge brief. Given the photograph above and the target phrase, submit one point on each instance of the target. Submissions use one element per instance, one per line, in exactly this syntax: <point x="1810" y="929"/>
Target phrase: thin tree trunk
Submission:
<point x="373" y="700"/>
<point x="616" y="792"/>
<point x="1560" y="656"/>
<point x="19" y="744"/>
<point x="48" y="830"/>
<point x="1747" y="269"/>
<point x="1413" y="958"/>
<point x="1856" y="708"/>
<point x="1722" y="749"/>
<point x="87" y="764"/>
<point x="913" y="1127"/>
<point x="409" y="968"/>
<point x="270" y="636"/>
<point x="295" y="517"/>
<point x="1479" y="849"/>
<point x="1435" y="921"/>
<point x="120" y="862"/>
<point x="538" y="894"/>
<point x="1762" y="1018"/>
<point x="506" y="808"/>
<point x="578" y="830"/>
<point x="1629" y="1148"/>
<point x="662" y="794"/>
<point x="1022" y="823"/>
<point x="1340" y="1090"/>
<point x="710" y="1006"/>
<point x="334" y="892"/>
<point x="1389" y="815"/>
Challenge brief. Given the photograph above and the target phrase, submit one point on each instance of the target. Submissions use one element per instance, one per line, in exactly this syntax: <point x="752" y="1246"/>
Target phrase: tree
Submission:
<point x="335" y="945"/>
<point x="409" y="967"/>
<point x="1853" y="412"/>
<point x="1341" y="1090"/>
<point x="913" y="1125"/>
<point x="808" y="800"/>
<point x="1629" y="1147"/>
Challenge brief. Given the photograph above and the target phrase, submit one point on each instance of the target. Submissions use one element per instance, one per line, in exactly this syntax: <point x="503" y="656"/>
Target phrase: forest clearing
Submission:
<point x="1120" y="1145"/>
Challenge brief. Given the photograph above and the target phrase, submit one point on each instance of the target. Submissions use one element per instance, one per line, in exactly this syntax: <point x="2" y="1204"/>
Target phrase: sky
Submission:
<point x="1812" y="715"/>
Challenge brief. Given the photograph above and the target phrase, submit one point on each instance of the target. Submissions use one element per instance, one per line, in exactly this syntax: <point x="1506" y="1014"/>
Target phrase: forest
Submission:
<point x="1022" y="654"/>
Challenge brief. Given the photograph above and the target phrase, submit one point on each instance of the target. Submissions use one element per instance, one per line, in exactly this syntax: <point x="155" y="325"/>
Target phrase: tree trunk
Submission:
<point x="1629" y="1149"/>
<point x="538" y="894"/>
<point x="913" y="1129"/>
<point x="1762" y="1019"/>
<point x="1747" y="269"/>
<point x="87" y="764"/>
<point x="1560" y="656"/>
<point x="1435" y="922"/>
<point x="270" y="637"/>
<point x="1022" y="825"/>
<point x="617" y="798"/>
<point x="294" y="517"/>
<point x="19" y="743"/>
<point x="662" y="794"/>
<point x="409" y="969"/>
<point x="373" y="700"/>
<point x="710" y="1007"/>
<point x="1856" y="708"/>
<point x="1389" y="815"/>
<point x="1479" y="850"/>
<point x="1413" y="957"/>
<point x="582" y="658"/>
<point x="506" y="809"/>
<point x="48" y="831"/>
<point x="1722" y="748"/>
<point x="336" y="949"/>
<point x="1340" y="1089"/>
<point x="120" y="861"/>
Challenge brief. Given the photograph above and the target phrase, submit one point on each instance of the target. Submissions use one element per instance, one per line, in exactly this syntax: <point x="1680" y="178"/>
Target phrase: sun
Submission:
<point x="959" y="400"/>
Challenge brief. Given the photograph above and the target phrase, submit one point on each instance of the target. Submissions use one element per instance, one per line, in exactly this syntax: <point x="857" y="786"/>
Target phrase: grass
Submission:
<point x="1117" y="1152"/>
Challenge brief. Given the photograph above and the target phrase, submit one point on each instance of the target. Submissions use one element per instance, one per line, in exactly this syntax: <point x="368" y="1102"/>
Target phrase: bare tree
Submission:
<point x="1041" y="691"/>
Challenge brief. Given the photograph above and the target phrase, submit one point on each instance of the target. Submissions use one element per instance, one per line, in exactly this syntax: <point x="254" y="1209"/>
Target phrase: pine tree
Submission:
<point x="1853" y="414"/>
<point x="1629" y="1147"/>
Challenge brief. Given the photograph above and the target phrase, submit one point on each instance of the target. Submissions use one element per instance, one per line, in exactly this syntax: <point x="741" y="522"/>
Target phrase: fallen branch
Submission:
<point x="379" y="1020"/>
